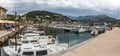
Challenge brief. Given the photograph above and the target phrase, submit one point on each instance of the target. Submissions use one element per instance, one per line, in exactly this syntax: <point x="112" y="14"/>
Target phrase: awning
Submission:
<point x="1" y="21"/>
<point x="10" y="22"/>
<point x="7" y="21"/>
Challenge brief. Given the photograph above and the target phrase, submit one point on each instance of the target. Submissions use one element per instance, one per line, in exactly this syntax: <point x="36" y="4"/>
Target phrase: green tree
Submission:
<point x="19" y="19"/>
<point x="11" y="18"/>
<point x="118" y="22"/>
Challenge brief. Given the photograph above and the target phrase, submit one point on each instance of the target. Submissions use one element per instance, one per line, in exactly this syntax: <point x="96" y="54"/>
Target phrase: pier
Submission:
<point x="107" y="44"/>
<point x="5" y="35"/>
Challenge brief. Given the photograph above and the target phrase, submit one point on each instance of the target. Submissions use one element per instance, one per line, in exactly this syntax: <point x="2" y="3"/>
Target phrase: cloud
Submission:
<point x="68" y="7"/>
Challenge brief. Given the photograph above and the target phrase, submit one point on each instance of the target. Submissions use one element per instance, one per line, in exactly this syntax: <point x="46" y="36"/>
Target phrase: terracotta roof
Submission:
<point x="3" y="8"/>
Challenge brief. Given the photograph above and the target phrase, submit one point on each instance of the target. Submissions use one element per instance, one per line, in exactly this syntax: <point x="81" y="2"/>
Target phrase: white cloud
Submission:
<point x="8" y="4"/>
<point x="108" y="6"/>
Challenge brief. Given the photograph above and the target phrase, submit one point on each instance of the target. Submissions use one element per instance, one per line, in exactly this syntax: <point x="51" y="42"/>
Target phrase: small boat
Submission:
<point x="94" y="32"/>
<point x="97" y="30"/>
<point x="83" y="29"/>
<point x="29" y="37"/>
<point x="33" y="30"/>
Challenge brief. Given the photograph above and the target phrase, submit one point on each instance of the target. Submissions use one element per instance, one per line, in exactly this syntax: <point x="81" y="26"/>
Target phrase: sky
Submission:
<point x="65" y="7"/>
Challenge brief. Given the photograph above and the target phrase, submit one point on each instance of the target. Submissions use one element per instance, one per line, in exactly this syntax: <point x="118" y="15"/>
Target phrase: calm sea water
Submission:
<point x="73" y="38"/>
<point x="70" y="37"/>
<point x="64" y="37"/>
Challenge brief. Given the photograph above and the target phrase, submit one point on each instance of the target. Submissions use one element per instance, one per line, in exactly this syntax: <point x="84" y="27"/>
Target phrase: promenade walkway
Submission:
<point x="4" y="34"/>
<point x="107" y="44"/>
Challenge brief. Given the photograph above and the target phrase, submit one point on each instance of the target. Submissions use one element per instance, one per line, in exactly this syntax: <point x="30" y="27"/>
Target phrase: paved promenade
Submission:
<point x="107" y="44"/>
<point x="4" y="32"/>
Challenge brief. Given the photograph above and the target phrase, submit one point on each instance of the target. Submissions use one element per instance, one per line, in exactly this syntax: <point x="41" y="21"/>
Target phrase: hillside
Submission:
<point x="45" y="15"/>
<point x="9" y="16"/>
<point x="98" y="18"/>
<point x="71" y="17"/>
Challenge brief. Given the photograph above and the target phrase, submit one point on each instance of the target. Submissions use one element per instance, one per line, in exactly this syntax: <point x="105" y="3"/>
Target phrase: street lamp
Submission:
<point x="16" y="30"/>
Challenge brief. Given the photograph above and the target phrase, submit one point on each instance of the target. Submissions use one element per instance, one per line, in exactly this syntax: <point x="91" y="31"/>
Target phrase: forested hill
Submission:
<point x="35" y="15"/>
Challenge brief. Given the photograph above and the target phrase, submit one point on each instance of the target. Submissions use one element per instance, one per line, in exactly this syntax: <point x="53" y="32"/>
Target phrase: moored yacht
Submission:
<point x="34" y="46"/>
<point x="31" y="49"/>
<point x="83" y="29"/>
<point x="31" y="37"/>
<point x="97" y="30"/>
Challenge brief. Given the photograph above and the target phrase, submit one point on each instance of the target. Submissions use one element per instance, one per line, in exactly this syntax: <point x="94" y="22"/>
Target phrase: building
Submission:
<point x="3" y="13"/>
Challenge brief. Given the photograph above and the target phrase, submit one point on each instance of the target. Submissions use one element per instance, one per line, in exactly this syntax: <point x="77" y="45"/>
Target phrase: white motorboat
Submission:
<point x="29" y="37"/>
<point x="33" y="30"/>
<point x="97" y="30"/>
<point x="32" y="49"/>
<point x="83" y="29"/>
<point x="94" y="32"/>
<point x="34" y="45"/>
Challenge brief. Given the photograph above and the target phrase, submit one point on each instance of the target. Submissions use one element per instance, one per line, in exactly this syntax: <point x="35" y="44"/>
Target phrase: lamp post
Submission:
<point x="16" y="31"/>
<point x="15" y="27"/>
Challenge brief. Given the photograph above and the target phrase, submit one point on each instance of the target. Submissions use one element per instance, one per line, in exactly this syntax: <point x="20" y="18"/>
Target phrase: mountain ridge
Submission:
<point x="98" y="18"/>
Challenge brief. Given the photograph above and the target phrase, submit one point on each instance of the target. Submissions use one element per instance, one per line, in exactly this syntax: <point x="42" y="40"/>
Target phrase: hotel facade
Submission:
<point x="3" y="13"/>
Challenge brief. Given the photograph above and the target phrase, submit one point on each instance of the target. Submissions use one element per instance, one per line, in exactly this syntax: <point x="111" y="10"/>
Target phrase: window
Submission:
<point x="33" y="41"/>
<point x="49" y="37"/>
<point x="44" y="52"/>
<point x="19" y="50"/>
<point x="43" y="38"/>
<point x="25" y="41"/>
<point x="28" y="53"/>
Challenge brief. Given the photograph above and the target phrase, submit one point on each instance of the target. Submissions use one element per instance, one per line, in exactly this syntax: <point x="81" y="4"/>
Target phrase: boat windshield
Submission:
<point x="31" y="35"/>
<point x="44" y="52"/>
<point x="33" y="41"/>
<point x="19" y="50"/>
<point x="25" y="41"/>
<point x="28" y="53"/>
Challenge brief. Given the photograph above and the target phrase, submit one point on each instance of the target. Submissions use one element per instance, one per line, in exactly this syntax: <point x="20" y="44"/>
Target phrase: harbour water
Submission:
<point x="74" y="38"/>
<point x="70" y="37"/>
